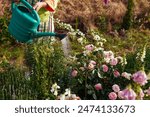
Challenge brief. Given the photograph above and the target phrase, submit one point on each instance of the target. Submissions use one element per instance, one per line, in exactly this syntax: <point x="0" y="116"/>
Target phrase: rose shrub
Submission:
<point x="99" y="74"/>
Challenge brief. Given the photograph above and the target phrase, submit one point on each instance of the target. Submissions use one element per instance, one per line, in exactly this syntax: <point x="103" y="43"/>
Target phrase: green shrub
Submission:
<point x="147" y="60"/>
<point x="4" y="34"/>
<point x="127" y="20"/>
<point x="46" y="66"/>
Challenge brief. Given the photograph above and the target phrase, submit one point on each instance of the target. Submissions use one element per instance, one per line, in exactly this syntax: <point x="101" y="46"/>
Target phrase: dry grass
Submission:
<point x="115" y="11"/>
<point x="4" y="4"/>
<point x="141" y="6"/>
<point x="86" y="11"/>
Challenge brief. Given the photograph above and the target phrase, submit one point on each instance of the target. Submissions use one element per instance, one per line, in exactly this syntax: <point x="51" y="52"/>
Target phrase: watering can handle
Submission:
<point x="24" y="2"/>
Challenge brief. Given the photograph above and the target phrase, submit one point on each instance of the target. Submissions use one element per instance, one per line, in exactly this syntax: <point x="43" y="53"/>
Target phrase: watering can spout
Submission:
<point x="41" y="34"/>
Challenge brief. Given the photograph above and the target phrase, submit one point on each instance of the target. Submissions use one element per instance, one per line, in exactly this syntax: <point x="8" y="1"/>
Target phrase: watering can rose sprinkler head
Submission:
<point x="24" y="23"/>
<point x="61" y="35"/>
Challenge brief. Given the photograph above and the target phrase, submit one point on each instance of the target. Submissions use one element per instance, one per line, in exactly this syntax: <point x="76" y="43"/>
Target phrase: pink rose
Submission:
<point x="120" y="94"/>
<point x="116" y="88"/>
<point x="140" y="78"/>
<point x="126" y="75"/>
<point x="127" y="94"/>
<point x="93" y="62"/>
<point x="108" y="54"/>
<point x="91" y="66"/>
<point x="113" y="61"/>
<point x="116" y="73"/>
<point x="112" y="96"/>
<point x="89" y="47"/>
<point x="105" y="68"/>
<point x="74" y="73"/>
<point x="98" y="86"/>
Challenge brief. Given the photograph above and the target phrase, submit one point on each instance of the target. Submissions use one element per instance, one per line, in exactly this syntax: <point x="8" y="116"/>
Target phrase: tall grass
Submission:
<point x="14" y="85"/>
<point x="45" y="66"/>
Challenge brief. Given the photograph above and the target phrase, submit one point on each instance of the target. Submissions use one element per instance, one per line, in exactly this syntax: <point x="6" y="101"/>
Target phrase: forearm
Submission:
<point x="50" y="5"/>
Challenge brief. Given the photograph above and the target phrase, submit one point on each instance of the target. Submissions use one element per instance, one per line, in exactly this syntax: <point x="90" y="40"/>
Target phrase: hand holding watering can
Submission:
<point x="37" y="6"/>
<point x="25" y="21"/>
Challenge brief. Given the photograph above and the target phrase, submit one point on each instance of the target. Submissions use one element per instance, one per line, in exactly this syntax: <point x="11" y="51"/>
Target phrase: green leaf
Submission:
<point x="94" y="71"/>
<point x="80" y="81"/>
<point x="89" y="86"/>
<point x="99" y="75"/>
<point x="94" y="96"/>
<point x="90" y="92"/>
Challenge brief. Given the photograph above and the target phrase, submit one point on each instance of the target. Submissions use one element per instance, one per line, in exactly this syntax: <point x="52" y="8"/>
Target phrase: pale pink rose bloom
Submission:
<point x="74" y="73"/>
<point x="113" y="61"/>
<point x="140" y="78"/>
<point x="89" y="47"/>
<point x="91" y="66"/>
<point x="116" y="73"/>
<point x="108" y="55"/>
<point x="120" y="94"/>
<point x="93" y="62"/>
<point x="126" y="75"/>
<point x="105" y="68"/>
<point x="127" y="94"/>
<point x="98" y="86"/>
<point x="116" y="88"/>
<point x="107" y="60"/>
<point x="112" y="96"/>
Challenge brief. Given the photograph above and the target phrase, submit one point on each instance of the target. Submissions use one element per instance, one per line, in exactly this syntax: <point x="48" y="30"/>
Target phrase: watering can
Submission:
<point x="24" y="23"/>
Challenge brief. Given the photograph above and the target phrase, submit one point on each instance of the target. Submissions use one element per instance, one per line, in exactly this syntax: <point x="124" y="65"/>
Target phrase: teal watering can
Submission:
<point x="24" y="23"/>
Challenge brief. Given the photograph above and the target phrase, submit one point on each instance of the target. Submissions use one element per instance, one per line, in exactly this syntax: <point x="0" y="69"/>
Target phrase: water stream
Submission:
<point x="66" y="46"/>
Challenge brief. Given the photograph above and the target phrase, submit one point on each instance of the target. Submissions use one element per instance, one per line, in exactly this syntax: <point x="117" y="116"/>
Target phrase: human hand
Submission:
<point x="39" y="5"/>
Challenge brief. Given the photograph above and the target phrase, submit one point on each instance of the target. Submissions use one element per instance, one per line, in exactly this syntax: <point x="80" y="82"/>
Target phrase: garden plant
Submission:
<point x="99" y="65"/>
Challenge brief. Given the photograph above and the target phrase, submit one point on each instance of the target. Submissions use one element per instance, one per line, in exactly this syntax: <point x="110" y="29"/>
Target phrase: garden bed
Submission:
<point x="98" y="65"/>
